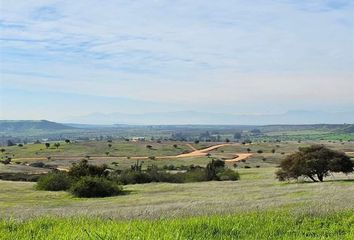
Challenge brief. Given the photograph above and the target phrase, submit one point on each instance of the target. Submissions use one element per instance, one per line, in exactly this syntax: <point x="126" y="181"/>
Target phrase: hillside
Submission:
<point x="18" y="126"/>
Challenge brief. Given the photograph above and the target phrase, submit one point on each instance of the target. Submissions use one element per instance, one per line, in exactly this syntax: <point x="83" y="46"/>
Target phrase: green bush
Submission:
<point x="152" y="175"/>
<point x="228" y="175"/>
<point x="213" y="168"/>
<point x="85" y="169"/>
<point x="54" y="181"/>
<point x="195" y="175"/>
<point x="95" y="187"/>
<point x="37" y="164"/>
<point x="132" y="177"/>
<point x="171" y="178"/>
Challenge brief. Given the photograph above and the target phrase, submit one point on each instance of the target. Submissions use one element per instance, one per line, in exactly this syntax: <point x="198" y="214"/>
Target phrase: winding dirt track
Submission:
<point x="201" y="152"/>
<point x="239" y="157"/>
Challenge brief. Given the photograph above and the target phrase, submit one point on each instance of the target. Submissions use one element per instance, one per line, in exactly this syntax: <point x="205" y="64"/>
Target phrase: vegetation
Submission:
<point x="314" y="161"/>
<point x="54" y="181"/>
<point x="86" y="180"/>
<point x="83" y="180"/>
<point x="215" y="170"/>
<point x="255" y="225"/>
<point x="165" y="197"/>
<point x="95" y="187"/>
<point x="83" y="169"/>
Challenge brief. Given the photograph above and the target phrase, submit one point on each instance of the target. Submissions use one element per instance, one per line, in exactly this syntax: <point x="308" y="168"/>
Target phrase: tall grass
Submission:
<point x="255" y="225"/>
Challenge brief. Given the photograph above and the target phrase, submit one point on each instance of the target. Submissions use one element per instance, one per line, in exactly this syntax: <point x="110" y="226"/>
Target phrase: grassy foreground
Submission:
<point x="253" y="225"/>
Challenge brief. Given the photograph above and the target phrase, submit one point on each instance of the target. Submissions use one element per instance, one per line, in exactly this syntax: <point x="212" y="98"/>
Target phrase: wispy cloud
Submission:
<point x="181" y="51"/>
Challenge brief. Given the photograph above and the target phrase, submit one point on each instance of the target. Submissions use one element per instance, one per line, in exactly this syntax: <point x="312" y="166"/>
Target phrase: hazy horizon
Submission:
<point x="65" y="59"/>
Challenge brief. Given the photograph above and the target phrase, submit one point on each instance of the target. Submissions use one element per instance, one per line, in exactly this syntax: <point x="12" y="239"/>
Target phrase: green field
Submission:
<point x="257" y="189"/>
<point x="125" y="153"/>
<point x="257" y="225"/>
<point x="255" y="207"/>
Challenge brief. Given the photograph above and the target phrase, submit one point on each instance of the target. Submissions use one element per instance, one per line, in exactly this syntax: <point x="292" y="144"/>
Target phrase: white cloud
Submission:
<point x="181" y="51"/>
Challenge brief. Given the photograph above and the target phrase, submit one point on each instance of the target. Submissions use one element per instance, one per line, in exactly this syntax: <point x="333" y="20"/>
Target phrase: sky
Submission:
<point x="61" y="59"/>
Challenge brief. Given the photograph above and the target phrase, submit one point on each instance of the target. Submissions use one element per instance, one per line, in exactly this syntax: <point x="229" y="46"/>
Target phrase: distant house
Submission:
<point x="136" y="139"/>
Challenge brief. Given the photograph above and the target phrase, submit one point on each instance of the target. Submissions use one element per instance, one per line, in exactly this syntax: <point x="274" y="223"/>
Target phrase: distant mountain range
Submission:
<point x="194" y="117"/>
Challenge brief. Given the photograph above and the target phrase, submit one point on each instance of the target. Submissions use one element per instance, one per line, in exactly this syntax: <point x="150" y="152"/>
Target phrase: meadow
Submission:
<point x="255" y="207"/>
<point x="265" y="225"/>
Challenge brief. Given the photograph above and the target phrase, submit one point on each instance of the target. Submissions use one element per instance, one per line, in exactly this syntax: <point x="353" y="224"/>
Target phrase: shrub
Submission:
<point x="195" y="175"/>
<point x="213" y="168"/>
<point x="37" y="164"/>
<point x="132" y="177"/>
<point x="170" y="178"/>
<point x="228" y="175"/>
<point x="54" y="181"/>
<point x="84" y="169"/>
<point x="95" y="187"/>
<point x="23" y="177"/>
<point x="169" y="167"/>
<point x="6" y="161"/>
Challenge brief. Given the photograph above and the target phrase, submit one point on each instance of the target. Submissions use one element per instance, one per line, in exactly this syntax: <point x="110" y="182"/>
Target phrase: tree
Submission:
<point x="256" y="131"/>
<point x="47" y="145"/>
<point x="227" y="140"/>
<point x="314" y="162"/>
<point x="67" y="141"/>
<point x="57" y="145"/>
<point x="109" y="145"/>
<point x="10" y="143"/>
<point x="213" y="168"/>
<point x="175" y="145"/>
<point x="149" y="147"/>
<point x="137" y="166"/>
<point x="273" y="150"/>
<point x="2" y="150"/>
<point x="237" y="136"/>
<point x="248" y="150"/>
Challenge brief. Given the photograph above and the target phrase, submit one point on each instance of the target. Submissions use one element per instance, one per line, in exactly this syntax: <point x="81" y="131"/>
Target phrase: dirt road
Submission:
<point x="239" y="157"/>
<point x="201" y="152"/>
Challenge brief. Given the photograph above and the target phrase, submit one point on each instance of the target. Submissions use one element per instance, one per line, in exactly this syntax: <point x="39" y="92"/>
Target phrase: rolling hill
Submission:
<point x="15" y="126"/>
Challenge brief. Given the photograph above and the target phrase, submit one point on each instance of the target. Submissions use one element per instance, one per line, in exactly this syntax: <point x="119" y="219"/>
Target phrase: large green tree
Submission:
<point x="314" y="162"/>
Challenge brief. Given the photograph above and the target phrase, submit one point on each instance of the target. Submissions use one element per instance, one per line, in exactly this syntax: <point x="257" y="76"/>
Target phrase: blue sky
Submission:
<point x="70" y="58"/>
